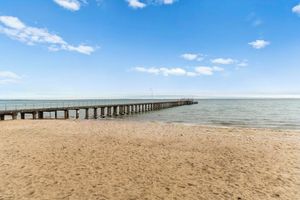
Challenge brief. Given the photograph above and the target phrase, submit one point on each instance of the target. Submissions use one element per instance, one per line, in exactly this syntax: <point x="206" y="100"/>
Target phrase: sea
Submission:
<point x="254" y="113"/>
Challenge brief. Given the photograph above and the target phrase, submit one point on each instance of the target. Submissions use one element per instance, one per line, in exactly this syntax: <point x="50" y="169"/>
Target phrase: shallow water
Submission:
<point x="261" y="113"/>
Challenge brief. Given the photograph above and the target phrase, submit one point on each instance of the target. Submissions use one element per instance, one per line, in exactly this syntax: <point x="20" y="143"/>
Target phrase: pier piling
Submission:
<point x="105" y="110"/>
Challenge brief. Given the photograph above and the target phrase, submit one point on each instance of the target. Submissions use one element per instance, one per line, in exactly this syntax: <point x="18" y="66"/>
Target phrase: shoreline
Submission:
<point x="111" y="159"/>
<point x="175" y="123"/>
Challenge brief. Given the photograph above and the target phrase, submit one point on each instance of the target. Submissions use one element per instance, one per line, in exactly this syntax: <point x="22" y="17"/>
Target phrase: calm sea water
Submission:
<point x="263" y="113"/>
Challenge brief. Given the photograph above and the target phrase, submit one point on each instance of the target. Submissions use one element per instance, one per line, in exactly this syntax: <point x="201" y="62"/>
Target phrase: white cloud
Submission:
<point x="17" y="30"/>
<point x="296" y="9"/>
<point x="243" y="63"/>
<point x="173" y="71"/>
<point x="73" y="5"/>
<point x="259" y="44"/>
<point x="81" y="49"/>
<point x="192" y="56"/>
<point x="8" y="77"/>
<point x="177" y="71"/>
<point x="223" y="61"/>
<point x="167" y="2"/>
<point x="217" y="69"/>
<point x="143" y="3"/>
<point x="163" y="71"/>
<point x="151" y="70"/>
<point x="136" y="4"/>
<point x="12" y="22"/>
<point x="204" y="70"/>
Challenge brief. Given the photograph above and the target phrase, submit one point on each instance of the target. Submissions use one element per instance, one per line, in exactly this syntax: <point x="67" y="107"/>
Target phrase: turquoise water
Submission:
<point x="261" y="113"/>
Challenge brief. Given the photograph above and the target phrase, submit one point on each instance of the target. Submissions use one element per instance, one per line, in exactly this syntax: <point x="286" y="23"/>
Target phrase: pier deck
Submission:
<point x="102" y="111"/>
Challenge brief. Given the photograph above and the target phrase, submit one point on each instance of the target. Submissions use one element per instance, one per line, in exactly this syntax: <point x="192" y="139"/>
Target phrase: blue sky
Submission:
<point x="133" y="48"/>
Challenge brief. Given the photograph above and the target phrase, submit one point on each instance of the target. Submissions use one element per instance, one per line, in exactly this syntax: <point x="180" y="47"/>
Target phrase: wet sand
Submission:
<point x="145" y="160"/>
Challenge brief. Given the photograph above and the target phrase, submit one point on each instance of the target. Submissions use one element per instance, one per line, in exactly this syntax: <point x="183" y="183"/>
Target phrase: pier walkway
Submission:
<point x="102" y="111"/>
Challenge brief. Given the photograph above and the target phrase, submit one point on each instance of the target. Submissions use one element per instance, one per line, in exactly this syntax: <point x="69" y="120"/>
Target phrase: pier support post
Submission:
<point x="115" y="111"/>
<point x="120" y="110"/>
<point x="123" y="110"/>
<point x="55" y="114"/>
<point x="102" y="112"/>
<point x="66" y="114"/>
<point x="22" y="115"/>
<point x="14" y="116"/>
<point x="128" y="110"/>
<point x="40" y="114"/>
<point x="86" y="113"/>
<point x="109" y="113"/>
<point x="77" y="114"/>
<point x="95" y="113"/>
<point x="34" y="114"/>
<point x="133" y="109"/>
<point x="2" y="117"/>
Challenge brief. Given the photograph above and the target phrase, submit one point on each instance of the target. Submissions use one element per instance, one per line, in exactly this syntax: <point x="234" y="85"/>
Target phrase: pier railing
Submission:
<point x="19" y="105"/>
<point x="113" y="108"/>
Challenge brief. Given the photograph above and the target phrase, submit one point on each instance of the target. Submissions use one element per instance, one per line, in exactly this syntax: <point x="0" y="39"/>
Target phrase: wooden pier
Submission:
<point x="99" y="111"/>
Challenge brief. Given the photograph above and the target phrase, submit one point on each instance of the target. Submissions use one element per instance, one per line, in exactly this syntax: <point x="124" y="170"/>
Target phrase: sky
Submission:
<point x="146" y="48"/>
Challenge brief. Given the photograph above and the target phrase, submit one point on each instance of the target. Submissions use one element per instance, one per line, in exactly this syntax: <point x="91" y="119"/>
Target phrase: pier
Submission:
<point x="99" y="111"/>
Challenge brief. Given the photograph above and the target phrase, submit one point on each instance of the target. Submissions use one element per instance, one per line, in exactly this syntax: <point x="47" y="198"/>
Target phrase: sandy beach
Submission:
<point x="145" y="160"/>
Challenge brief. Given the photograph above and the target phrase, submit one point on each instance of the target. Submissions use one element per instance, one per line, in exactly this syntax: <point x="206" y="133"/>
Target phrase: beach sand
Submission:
<point x="145" y="160"/>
